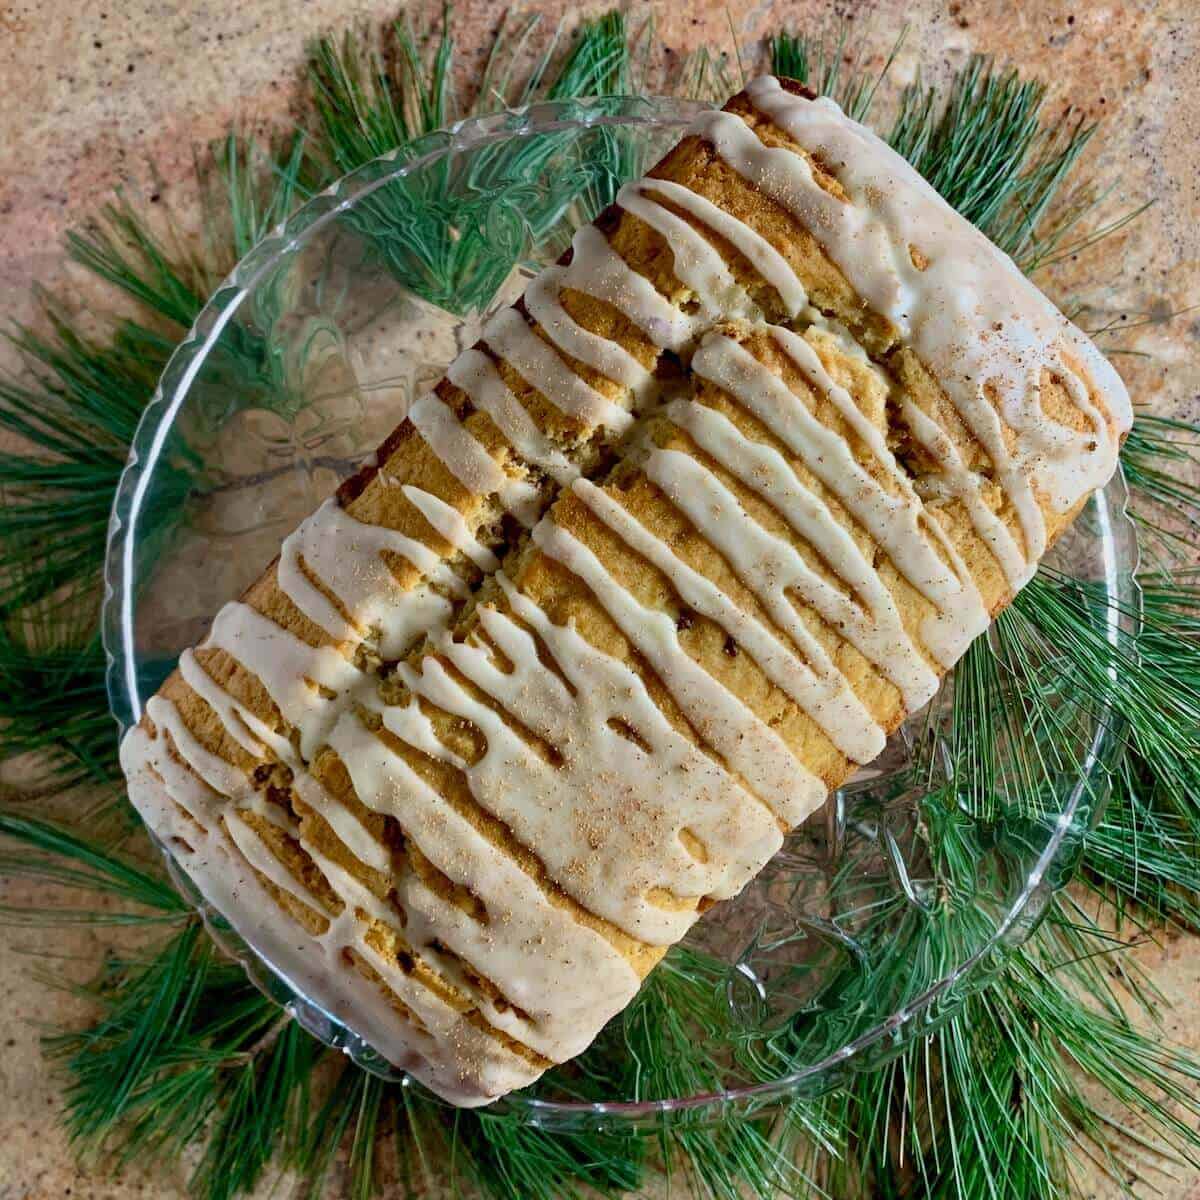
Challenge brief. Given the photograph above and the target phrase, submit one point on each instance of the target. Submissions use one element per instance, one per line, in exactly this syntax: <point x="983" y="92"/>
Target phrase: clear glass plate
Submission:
<point x="876" y="919"/>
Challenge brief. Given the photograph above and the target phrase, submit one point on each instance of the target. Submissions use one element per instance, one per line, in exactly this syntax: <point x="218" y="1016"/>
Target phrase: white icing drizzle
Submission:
<point x="224" y="779"/>
<point x="820" y="690"/>
<point x="894" y="521"/>
<point x="222" y="874"/>
<point x="346" y="555"/>
<point x="599" y="271"/>
<point x="476" y="374"/>
<point x="768" y="566"/>
<point x="627" y="815"/>
<point x="877" y="630"/>
<point x="468" y="461"/>
<point x="961" y="483"/>
<point x="518" y="913"/>
<point x="449" y="523"/>
<point x="356" y="837"/>
<point x="696" y="261"/>
<point x="141" y="755"/>
<point x="809" y="361"/>
<point x="246" y="728"/>
<point x="499" y="1069"/>
<point x="260" y="857"/>
<point x="512" y="338"/>
<point x="295" y="674"/>
<point x="763" y="256"/>
<point x="610" y="359"/>
<point x="606" y="814"/>
<point x="748" y="746"/>
<point x="222" y="846"/>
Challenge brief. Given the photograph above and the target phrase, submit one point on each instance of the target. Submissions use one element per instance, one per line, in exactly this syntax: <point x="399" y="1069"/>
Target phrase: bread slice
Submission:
<point x="655" y="566"/>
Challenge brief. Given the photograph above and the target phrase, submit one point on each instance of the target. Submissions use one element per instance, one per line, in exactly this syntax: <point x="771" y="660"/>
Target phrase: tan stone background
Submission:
<point x="96" y="94"/>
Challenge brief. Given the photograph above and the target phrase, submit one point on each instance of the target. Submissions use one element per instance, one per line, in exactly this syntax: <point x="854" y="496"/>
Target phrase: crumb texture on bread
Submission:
<point x="660" y="561"/>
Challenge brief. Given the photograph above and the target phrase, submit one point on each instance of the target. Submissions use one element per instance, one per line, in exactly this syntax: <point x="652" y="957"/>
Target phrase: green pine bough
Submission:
<point x="996" y="1103"/>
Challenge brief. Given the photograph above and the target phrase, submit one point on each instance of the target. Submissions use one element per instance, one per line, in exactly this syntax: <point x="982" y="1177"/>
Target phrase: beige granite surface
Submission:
<point x="97" y="94"/>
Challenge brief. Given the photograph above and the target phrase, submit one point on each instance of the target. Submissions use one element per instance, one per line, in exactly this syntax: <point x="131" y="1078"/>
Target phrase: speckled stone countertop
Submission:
<point x="97" y="94"/>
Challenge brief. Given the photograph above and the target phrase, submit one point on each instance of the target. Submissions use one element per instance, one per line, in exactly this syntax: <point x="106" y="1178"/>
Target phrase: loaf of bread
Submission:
<point x="656" y="565"/>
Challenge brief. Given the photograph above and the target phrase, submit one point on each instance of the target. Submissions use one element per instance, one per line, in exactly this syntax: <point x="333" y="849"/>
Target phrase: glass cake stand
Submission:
<point x="880" y="915"/>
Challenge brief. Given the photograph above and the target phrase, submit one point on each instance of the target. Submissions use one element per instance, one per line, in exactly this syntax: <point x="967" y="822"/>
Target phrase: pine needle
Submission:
<point x="76" y="413"/>
<point x="185" y="1039"/>
<point x="314" y="1152"/>
<point x="509" y="1160"/>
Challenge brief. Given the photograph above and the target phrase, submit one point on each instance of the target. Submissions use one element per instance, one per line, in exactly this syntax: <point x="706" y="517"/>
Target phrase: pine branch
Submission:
<point x="675" y="1040"/>
<point x="508" y="1160"/>
<point x="1161" y="459"/>
<point x="112" y="1063"/>
<point x="185" y="1040"/>
<point x="1151" y="684"/>
<point x="387" y="96"/>
<point x="54" y="707"/>
<point x="354" y="1097"/>
<point x="77" y="420"/>
<point x="120" y="249"/>
<point x="263" y="1112"/>
<point x="37" y="850"/>
<point x="991" y="153"/>
<point x="1146" y="850"/>
<point x="822" y="62"/>
<point x="76" y="415"/>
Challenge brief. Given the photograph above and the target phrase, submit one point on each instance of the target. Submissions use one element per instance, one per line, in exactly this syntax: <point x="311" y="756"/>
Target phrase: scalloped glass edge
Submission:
<point x="922" y="1014"/>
